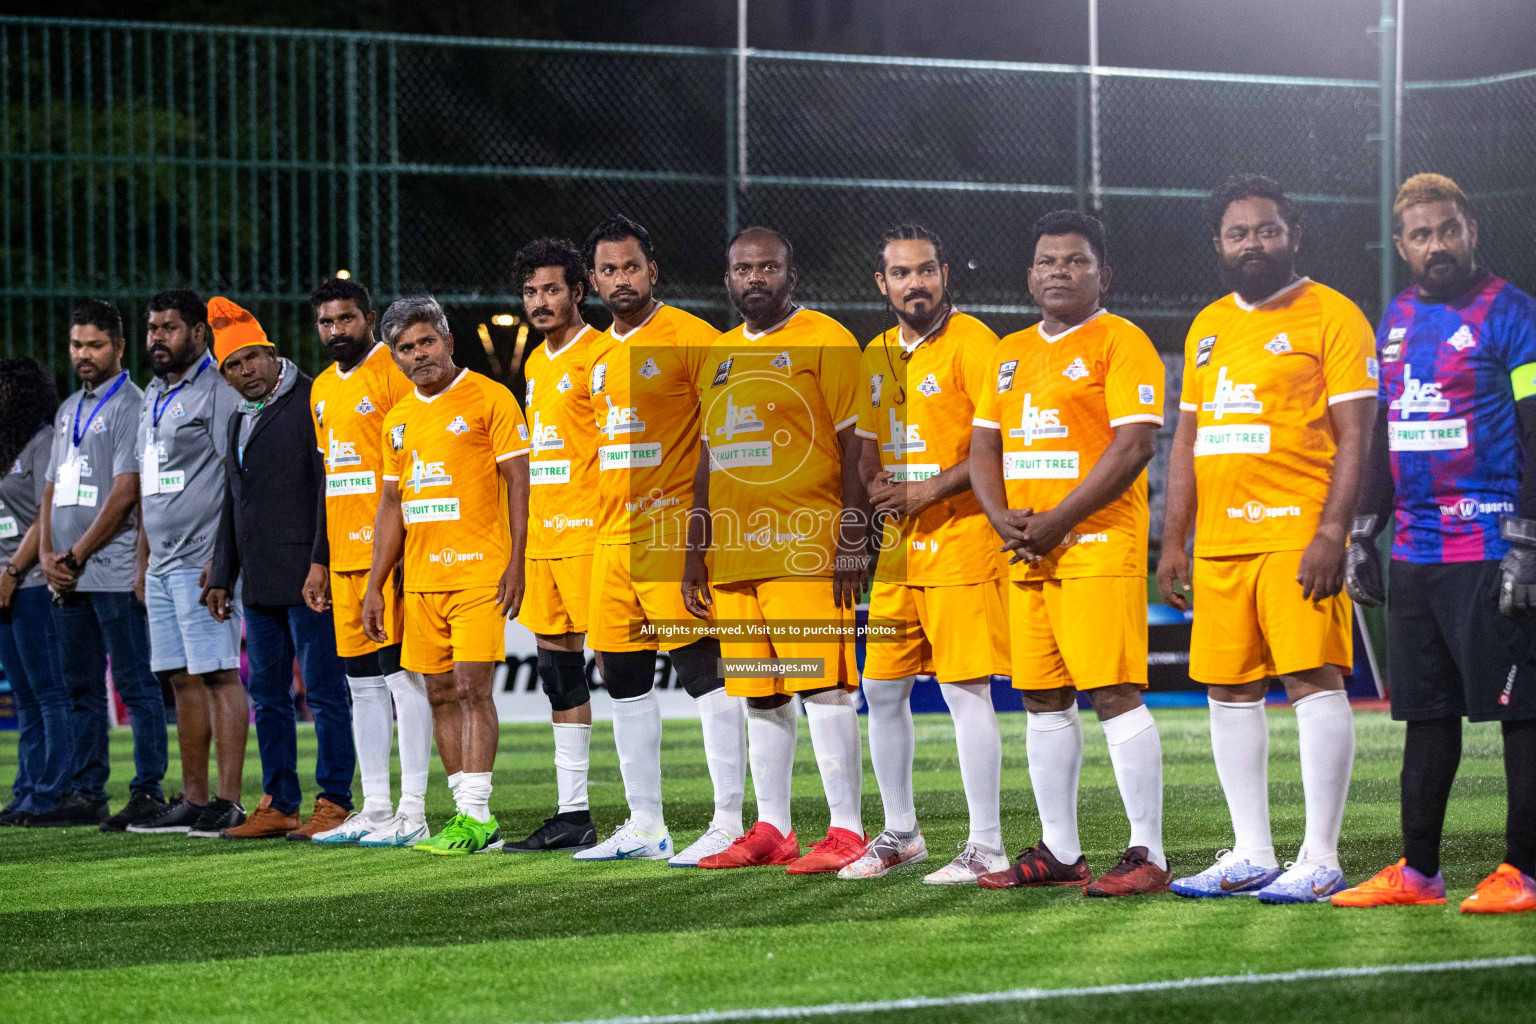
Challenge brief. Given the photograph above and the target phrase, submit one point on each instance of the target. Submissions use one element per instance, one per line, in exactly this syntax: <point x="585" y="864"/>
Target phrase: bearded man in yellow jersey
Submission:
<point x="780" y="498"/>
<point x="562" y="505"/>
<point x="455" y="506"/>
<point x="1280" y="381"/>
<point x="348" y="403"/>
<point x="939" y="572"/>
<point x="643" y="382"/>
<point x="1058" y="460"/>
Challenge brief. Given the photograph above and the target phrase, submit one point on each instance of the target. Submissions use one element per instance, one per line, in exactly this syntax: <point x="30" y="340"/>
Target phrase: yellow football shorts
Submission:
<point x="556" y="594"/>
<point x="957" y="633"/>
<point x="1251" y="621"/>
<point x="805" y="601"/>
<point x="1086" y="633"/>
<point x="347" y="592"/>
<point x="455" y="625"/>
<point x="624" y="599"/>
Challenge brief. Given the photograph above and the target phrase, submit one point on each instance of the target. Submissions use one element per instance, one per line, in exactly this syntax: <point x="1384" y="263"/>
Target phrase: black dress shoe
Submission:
<point x="141" y="808"/>
<point x="73" y="810"/>
<point x="178" y="816"/>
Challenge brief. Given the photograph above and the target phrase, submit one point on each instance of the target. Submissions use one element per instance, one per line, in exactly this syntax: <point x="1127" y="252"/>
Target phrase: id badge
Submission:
<point x="149" y="472"/>
<point x="66" y="486"/>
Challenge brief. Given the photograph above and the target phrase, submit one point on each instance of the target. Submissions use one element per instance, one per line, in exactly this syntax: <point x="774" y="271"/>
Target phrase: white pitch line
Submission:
<point x="1032" y="995"/>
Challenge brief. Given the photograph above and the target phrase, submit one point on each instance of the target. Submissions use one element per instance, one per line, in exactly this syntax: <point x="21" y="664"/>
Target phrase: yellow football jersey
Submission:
<point x="645" y="403"/>
<point x="1261" y="380"/>
<point x="1057" y="401"/>
<point x="562" y="462"/>
<point x="772" y="406"/>
<point x="918" y="407"/>
<point x="347" y="410"/>
<point x="444" y="452"/>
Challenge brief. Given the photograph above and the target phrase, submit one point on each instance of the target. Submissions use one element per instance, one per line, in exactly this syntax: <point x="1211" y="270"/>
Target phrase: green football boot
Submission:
<point x="429" y="845"/>
<point x="464" y="835"/>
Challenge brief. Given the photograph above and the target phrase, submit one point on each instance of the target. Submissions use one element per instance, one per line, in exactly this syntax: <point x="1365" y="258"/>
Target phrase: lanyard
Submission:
<point x="78" y="432"/>
<point x="158" y="411"/>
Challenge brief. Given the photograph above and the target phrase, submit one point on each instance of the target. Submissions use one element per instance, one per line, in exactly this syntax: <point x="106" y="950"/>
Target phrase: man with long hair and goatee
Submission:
<point x="45" y="745"/>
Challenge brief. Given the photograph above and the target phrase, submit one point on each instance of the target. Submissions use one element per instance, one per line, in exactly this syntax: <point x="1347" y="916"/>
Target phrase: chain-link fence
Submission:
<point x="255" y="162"/>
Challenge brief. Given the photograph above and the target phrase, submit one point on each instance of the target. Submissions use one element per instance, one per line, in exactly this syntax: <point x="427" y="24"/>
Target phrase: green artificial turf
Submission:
<point x="122" y="927"/>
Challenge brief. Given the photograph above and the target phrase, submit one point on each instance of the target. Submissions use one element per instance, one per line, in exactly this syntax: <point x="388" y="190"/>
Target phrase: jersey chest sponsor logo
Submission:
<point x="1462" y="340"/>
<point x="1434" y="435"/>
<point x="561" y="523"/>
<point x="339" y="484"/>
<point x="1252" y="439"/>
<point x="875" y="382"/>
<point x="458" y="426"/>
<point x="1468" y="509"/>
<point x="344" y="453"/>
<point x="1203" y="349"/>
<point x="8" y="528"/>
<point x="1076" y="371"/>
<point x="427" y="474"/>
<point x="628" y="456"/>
<point x="905" y="437"/>
<point x="1418" y="396"/>
<point x="930" y="386"/>
<point x="722" y="373"/>
<point x="1005" y="372"/>
<point x="448" y="556"/>
<point x="739" y="455"/>
<point x="364" y="407"/>
<point x="649" y="369"/>
<point x="546" y="436"/>
<point x="429" y="510"/>
<point x="1257" y="512"/>
<point x="1040" y="465"/>
<point x="549" y="471"/>
<point x="1232" y="397"/>
<point x="362" y="536"/>
<point x="1037" y="424"/>
<point x="622" y="419"/>
<point x="739" y="419"/>
<point x="1279" y="344"/>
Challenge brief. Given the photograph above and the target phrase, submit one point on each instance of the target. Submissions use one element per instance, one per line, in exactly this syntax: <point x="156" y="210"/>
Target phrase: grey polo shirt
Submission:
<point x="108" y="442"/>
<point x="188" y="423"/>
<point x="21" y="491"/>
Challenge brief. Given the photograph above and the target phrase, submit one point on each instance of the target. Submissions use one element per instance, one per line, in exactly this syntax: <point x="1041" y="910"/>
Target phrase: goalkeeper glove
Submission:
<point x="1517" y="571"/>
<point x="1362" y="564"/>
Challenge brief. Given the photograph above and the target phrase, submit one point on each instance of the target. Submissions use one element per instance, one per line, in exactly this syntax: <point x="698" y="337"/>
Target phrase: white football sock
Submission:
<point x="637" y="735"/>
<point x="413" y="720"/>
<point x="839" y="754"/>
<point x="1055" y="750"/>
<point x="771" y="735"/>
<point x="373" y="734"/>
<point x="455" y="781"/>
<point x="474" y="796"/>
<point x="1240" y="747"/>
<point x="1325" y="731"/>
<point x="573" y="745"/>
<point x="1136" y="751"/>
<point x="723" y="719"/>
<point x="981" y="758"/>
<point x="892" y="746"/>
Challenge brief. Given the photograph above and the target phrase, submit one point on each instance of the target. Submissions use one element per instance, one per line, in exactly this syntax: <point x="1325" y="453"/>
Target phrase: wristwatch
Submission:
<point x="69" y="561"/>
<point x="11" y="570"/>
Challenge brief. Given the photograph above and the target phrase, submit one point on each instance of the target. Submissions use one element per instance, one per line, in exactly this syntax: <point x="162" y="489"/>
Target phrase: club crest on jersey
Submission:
<point x="1462" y="339"/>
<point x="320" y="412"/>
<point x="780" y="361"/>
<point x="364" y="407"/>
<point x="874" y="390"/>
<point x="1005" y="373"/>
<point x="177" y="411"/>
<point x="1279" y="343"/>
<point x="98" y="427"/>
<point x="930" y="386"/>
<point x="397" y="436"/>
<point x="458" y="426"/>
<point x="1077" y="371"/>
<point x="722" y="372"/>
<point x="649" y="369"/>
<point x="599" y="378"/>
<point x="1203" y="349"/>
<point x="564" y="385"/>
<point x="528" y="392"/>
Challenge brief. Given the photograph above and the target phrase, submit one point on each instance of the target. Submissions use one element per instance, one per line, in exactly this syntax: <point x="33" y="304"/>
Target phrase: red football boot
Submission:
<point x="1133" y="875"/>
<point x="1038" y="866"/>
<point x="837" y="851"/>
<point x="763" y="845"/>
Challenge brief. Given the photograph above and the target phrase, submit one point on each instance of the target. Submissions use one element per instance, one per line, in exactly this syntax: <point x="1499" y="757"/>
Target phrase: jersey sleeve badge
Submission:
<point x="1203" y="349"/>
<point x="1005" y="372"/>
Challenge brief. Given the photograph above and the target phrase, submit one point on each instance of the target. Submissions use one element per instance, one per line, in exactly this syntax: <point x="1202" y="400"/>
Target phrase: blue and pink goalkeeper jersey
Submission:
<point x="1452" y="427"/>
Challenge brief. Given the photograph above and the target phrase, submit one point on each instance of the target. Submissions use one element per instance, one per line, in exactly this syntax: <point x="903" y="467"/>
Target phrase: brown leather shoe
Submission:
<point x="323" y="818"/>
<point x="266" y="822"/>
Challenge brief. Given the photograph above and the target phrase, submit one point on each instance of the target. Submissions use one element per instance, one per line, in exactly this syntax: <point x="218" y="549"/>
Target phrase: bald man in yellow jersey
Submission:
<point x="1062" y="439"/>
<point x="643" y="383"/>
<point x="562" y="524"/>
<point x="1275" y="416"/>
<point x="455" y="505"/>
<point x="348" y="403"/>
<point x="939" y="572"/>
<point x="781" y="494"/>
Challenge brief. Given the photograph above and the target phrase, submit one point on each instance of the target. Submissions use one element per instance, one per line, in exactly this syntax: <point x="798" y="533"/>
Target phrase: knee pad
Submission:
<point x="698" y="666"/>
<point x="628" y="674"/>
<point x="362" y="666"/>
<point x="389" y="659"/>
<point x="564" y="678"/>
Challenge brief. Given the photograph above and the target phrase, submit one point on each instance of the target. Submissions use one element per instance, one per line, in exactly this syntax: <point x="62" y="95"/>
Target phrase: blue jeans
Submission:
<point x="92" y="628"/>
<point x="272" y="637"/>
<point x="45" y="749"/>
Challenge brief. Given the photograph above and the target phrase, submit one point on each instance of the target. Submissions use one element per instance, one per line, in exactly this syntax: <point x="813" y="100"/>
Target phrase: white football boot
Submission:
<point x="884" y="854"/>
<point x="629" y="843"/>
<point x="400" y="830"/>
<point x="974" y="861"/>
<point x="707" y="845"/>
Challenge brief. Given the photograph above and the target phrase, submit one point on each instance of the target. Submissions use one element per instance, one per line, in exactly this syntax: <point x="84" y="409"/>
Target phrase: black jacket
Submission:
<point x="272" y="527"/>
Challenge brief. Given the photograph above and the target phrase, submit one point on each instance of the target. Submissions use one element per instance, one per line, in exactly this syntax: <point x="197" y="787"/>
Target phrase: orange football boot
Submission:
<point x="1396" y="886"/>
<point x="837" y="851"/>
<point x="1507" y="891"/>
<point x="762" y="845"/>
